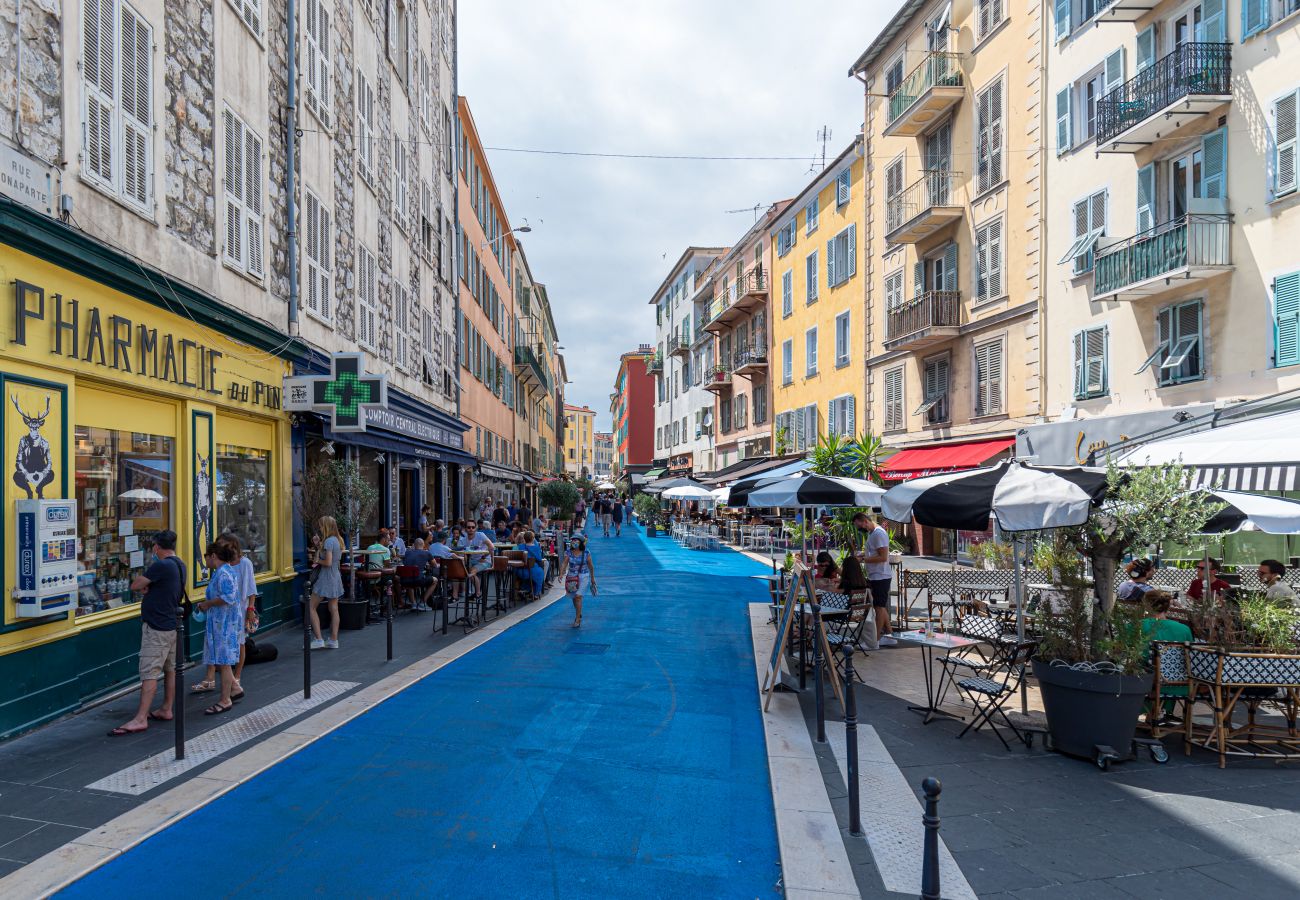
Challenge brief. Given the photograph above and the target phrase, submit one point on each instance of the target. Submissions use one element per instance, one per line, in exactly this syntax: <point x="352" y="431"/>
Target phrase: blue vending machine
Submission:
<point x="47" y="557"/>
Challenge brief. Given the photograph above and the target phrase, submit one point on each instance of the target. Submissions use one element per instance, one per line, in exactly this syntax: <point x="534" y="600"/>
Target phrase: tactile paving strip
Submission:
<point x="160" y="768"/>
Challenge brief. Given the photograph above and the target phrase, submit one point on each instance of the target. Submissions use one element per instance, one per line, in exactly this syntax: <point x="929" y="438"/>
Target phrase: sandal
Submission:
<point x="235" y="698"/>
<point x="203" y="687"/>
<point x="217" y="709"/>
<point x="122" y="732"/>
<point x="157" y="717"/>
<point x="577" y="623"/>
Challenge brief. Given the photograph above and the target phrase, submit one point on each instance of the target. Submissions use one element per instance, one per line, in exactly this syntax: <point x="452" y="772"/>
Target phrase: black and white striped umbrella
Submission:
<point x="816" y="490"/>
<point x="1021" y="497"/>
<point x="738" y="493"/>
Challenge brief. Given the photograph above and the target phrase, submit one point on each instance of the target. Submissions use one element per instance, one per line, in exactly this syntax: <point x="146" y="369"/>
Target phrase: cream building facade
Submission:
<point x="954" y="223"/>
<point x="579" y="441"/>
<point x="1174" y="249"/>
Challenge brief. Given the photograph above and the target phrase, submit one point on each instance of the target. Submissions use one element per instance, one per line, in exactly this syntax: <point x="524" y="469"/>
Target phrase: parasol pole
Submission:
<point x="1018" y="581"/>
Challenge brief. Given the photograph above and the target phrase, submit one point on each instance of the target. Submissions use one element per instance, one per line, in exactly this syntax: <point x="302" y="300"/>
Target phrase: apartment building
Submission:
<point x="631" y="407"/>
<point x="534" y="369"/>
<point x="818" y="282"/>
<point x="684" y="423"/>
<point x="1173" y="268"/>
<point x="735" y="310"/>
<point x="579" y="441"/>
<point x="953" y="231"/>
<point x="603" y="456"/>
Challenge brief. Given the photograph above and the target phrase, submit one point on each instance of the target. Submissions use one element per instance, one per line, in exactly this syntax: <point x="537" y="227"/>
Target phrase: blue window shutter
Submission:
<point x="1254" y="17"/>
<point x="852" y="261"/>
<point x="830" y="263"/>
<point x="1062" y="19"/>
<point x="1146" y="197"/>
<point x="1062" y="121"/>
<point x="1214" y="22"/>
<point x="1214" y="180"/>
<point x="918" y="279"/>
<point x="1079" y="364"/>
<point x="1146" y="46"/>
<point x="1286" y="320"/>
<point x="949" y="268"/>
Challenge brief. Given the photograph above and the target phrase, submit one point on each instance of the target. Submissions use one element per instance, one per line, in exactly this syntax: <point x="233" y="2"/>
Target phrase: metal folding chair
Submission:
<point x="988" y="695"/>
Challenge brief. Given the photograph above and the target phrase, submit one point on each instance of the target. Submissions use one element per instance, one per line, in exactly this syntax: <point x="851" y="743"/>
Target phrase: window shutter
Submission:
<point x="1096" y="361"/>
<point x="253" y="201"/>
<point x="137" y="134"/>
<point x="1062" y="19"/>
<point x="810" y="275"/>
<point x="850" y="263"/>
<point x="1189" y="326"/>
<point x="1146" y="47"/>
<point x="800" y="435"/>
<point x="1214" y="22"/>
<point x="950" y="267"/>
<point x="994" y="273"/>
<point x="311" y="239"/>
<point x="98" y="64"/>
<point x="392" y="31"/>
<point x="1146" y="197"/>
<point x="832" y="407"/>
<point x="850" y="416"/>
<point x="1286" y="320"/>
<point x="1079" y="364"/>
<point x="787" y="293"/>
<point x="842" y="185"/>
<point x="325" y="252"/>
<point x="233" y="130"/>
<point x="1214" y="180"/>
<point x="918" y="280"/>
<point x="1097" y="208"/>
<point x="1115" y="70"/>
<point x="1254" y="17"/>
<point x="830" y="263"/>
<point x="810" y="425"/>
<point x="1063" y="129"/>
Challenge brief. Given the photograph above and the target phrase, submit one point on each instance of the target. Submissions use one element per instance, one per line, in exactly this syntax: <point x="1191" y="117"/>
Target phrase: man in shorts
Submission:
<point x="606" y="514"/>
<point x="875" y="560"/>
<point x="164" y="585"/>
<point x="481" y="561"/>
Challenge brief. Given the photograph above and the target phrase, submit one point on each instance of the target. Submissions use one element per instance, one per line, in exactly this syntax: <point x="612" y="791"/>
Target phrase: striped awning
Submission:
<point x="1280" y="477"/>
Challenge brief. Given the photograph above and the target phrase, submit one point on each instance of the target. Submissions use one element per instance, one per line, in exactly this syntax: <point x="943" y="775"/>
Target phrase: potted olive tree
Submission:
<point x="561" y="497"/>
<point x="337" y="488"/>
<point x="647" y="510"/>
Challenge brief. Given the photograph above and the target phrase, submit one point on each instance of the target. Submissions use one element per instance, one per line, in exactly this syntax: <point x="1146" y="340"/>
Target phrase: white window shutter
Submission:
<point x="98" y="76"/>
<point x="1063" y="127"/>
<point x="137" y="96"/>
<point x="233" y="129"/>
<point x="1114" y="70"/>
<point x="253" y="201"/>
<point x="850" y="416"/>
<point x="325" y="252"/>
<point x="1146" y="197"/>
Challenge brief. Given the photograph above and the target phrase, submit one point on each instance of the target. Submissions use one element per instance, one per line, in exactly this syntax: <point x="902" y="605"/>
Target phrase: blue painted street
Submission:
<point x="625" y="758"/>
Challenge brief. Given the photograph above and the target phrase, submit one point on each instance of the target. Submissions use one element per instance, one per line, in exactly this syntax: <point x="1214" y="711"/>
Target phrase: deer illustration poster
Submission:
<point x="202" y="465"/>
<point x="35" y="452"/>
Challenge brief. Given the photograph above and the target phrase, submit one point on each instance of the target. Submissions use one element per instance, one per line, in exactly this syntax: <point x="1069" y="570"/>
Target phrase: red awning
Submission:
<point x="907" y="464"/>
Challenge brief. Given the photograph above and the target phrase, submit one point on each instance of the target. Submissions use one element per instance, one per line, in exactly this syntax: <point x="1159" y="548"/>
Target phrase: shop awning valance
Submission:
<point x="501" y="473"/>
<point x="1253" y="455"/>
<point x="922" y="461"/>
<point x="377" y="439"/>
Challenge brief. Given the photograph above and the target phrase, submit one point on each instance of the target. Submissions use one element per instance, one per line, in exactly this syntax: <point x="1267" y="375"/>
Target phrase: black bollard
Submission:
<point x="817" y="672"/>
<point x="851" y="742"/>
<point x="178" y="684"/>
<point x="930" y="861"/>
<point x="389" y="617"/>
<point x="306" y="645"/>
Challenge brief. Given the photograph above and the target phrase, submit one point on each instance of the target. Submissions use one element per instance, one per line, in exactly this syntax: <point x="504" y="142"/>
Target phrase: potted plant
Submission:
<point x="647" y="510"/>
<point x="561" y="497"/>
<point x="1091" y="664"/>
<point x="337" y="488"/>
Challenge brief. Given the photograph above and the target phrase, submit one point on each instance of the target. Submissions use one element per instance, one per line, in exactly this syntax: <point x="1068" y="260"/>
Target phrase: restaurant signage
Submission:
<point x="1085" y="441"/>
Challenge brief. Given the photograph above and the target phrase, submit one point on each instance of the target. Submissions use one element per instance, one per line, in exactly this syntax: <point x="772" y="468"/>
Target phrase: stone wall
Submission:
<point x="39" y="99"/>
<point x="345" y="175"/>
<point x="277" y="151"/>
<point x="188" y="122"/>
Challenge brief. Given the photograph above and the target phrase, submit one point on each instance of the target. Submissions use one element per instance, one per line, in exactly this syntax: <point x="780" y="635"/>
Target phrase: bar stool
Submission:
<point x="500" y="569"/>
<point x="368" y="581"/>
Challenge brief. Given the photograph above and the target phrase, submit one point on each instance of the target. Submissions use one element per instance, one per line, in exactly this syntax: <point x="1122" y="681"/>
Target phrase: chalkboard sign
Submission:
<point x="800" y="583"/>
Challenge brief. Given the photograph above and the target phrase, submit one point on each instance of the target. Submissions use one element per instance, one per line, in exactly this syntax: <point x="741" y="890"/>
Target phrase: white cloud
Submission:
<point x="706" y="78"/>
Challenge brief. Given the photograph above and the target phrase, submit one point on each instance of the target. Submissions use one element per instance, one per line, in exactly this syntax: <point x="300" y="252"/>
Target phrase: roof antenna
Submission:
<point x="824" y="136"/>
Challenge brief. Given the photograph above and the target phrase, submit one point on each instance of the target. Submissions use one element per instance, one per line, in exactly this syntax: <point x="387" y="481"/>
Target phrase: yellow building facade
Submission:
<point x="579" y="440"/>
<point x="816" y="261"/>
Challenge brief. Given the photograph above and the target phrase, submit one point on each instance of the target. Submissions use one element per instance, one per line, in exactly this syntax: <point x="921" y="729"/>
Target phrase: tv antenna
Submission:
<point x="755" y="209"/>
<point x="824" y="135"/>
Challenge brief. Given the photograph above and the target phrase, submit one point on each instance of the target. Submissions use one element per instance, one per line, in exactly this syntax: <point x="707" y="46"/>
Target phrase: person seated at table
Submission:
<point x="1218" y="587"/>
<point x="1139" y="581"/>
<point x="380" y="553"/>
<point x="420" y="558"/>
<point x="1275" y="589"/>
<point x="1159" y="627"/>
<point x="533" y="577"/>
<point x="480" y="547"/>
<point x="501" y="530"/>
<point x="826" y="573"/>
<point x="853" y="582"/>
<point x="396" y="542"/>
<point x="458" y="539"/>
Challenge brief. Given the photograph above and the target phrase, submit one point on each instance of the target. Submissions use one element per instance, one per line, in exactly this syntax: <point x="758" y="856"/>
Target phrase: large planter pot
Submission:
<point x="1086" y="710"/>
<point x="352" y="614"/>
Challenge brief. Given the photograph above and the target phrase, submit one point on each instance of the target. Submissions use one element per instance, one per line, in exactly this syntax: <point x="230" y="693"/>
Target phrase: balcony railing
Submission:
<point x="931" y="309"/>
<point x="1188" y="246"/>
<point x="717" y="379"/>
<point x="750" y="358"/>
<point x="1190" y="70"/>
<point x="654" y="363"/>
<point x="679" y="343"/>
<point x="935" y="189"/>
<point x="938" y="69"/>
<point x="752" y="283"/>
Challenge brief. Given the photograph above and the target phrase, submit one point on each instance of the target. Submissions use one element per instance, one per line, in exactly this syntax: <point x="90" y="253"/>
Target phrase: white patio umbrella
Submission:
<point x="720" y="495"/>
<point x="605" y="486"/>
<point x="1249" y="512"/>
<point x="808" y="490"/>
<point x="687" y="492"/>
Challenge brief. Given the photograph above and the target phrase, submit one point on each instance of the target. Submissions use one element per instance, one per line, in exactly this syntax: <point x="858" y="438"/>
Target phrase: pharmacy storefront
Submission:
<point x="124" y="394"/>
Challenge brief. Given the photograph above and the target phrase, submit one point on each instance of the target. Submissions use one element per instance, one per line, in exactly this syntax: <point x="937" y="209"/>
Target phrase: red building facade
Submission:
<point x="632" y="408"/>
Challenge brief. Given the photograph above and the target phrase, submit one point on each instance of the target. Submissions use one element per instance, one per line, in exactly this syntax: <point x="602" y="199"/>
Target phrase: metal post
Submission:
<point x="306" y="643"/>
<point x="817" y="673"/>
<point x="851" y="741"/>
<point x="389" y="616"/>
<point x="930" y="860"/>
<point x="1019" y="581"/>
<point x="178" y="684"/>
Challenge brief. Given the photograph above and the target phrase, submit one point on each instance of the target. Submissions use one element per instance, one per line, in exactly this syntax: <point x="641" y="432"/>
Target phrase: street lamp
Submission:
<point x="522" y="229"/>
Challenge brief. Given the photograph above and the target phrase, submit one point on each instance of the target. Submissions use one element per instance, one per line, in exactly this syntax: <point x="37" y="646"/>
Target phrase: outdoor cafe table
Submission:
<point x="982" y="593"/>
<point x="928" y="644"/>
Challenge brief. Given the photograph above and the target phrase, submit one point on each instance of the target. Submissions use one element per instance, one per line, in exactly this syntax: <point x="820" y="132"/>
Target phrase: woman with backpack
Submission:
<point x="577" y="569"/>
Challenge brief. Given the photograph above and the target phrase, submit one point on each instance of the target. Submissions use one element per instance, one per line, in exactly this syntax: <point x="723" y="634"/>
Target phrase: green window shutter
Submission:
<point x="1146" y="47"/>
<point x="1214" y="22"/>
<point x="1286" y="320"/>
<point x="1214" y="180"/>
<point x="851" y="263"/>
<point x="1115" y="70"/>
<point x="950" y="267"/>
<point x="918" y="279"/>
<point x="1146" y="197"/>
<point x="1062" y="19"/>
<point x="1078" y="364"/>
<point x="1062" y="121"/>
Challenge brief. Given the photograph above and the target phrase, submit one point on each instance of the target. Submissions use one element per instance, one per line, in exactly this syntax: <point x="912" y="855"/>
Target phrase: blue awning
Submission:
<point x="391" y="443"/>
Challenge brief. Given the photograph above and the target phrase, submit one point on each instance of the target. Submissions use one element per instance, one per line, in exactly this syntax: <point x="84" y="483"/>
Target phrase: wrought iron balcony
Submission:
<point x="923" y="207"/>
<point x="654" y="364"/>
<point x="1193" y="248"/>
<point x="751" y="289"/>
<point x="752" y="360"/>
<point x="928" y="92"/>
<point x="717" y="379"/>
<point x="1176" y="89"/>
<point x="929" y="318"/>
<point x="530" y="368"/>
<point x="679" y="344"/>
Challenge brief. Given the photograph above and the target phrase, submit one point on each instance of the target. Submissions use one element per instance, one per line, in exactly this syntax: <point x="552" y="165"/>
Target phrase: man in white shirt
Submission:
<point x="875" y="560"/>
<point x="1270" y="573"/>
<point x="399" y="545"/>
<point x="479" y="562"/>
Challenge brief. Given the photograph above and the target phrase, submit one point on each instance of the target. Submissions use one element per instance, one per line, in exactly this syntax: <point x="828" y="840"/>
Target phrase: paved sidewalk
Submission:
<point x="623" y="759"/>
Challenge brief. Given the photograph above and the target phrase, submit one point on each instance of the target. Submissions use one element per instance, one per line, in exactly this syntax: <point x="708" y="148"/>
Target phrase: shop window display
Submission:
<point x="124" y="489"/>
<point x="243" y="500"/>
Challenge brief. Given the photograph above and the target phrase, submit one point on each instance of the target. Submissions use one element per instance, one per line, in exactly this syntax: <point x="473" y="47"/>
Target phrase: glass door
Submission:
<point x="1184" y="183"/>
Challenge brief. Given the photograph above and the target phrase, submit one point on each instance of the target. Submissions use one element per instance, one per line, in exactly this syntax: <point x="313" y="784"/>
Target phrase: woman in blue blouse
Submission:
<point x="535" y="575"/>
<point x="224" y="623"/>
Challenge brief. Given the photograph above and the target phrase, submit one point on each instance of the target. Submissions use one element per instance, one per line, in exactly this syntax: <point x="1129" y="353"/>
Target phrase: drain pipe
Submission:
<point x="291" y="162"/>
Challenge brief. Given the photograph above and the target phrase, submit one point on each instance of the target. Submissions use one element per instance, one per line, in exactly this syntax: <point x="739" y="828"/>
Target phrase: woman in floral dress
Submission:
<point x="224" y="623"/>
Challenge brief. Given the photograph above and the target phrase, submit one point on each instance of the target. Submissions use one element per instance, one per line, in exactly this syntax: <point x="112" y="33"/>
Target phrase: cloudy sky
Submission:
<point x="678" y="77"/>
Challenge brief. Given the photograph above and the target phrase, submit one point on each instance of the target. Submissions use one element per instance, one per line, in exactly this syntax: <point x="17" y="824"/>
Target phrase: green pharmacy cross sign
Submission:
<point x="344" y="394"/>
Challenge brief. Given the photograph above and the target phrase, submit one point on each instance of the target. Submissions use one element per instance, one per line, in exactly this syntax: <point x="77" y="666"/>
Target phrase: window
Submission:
<point x="894" y="399"/>
<point x="810" y="215"/>
<point x="1283" y="157"/>
<point x="1178" y="356"/>
<point x="988" y="137"/>
<point x="1089" y="225"/>
<point x="810" y="351"/>
<point x="243" y="188"/>
<point x="990" y="16"/>
<point x="842" y="339"/>
<point x="426" y="93"/>
<point x="841" y="416"/>
<point x="243" y="500"/>
<point x="894" y="75"/>
<point x="400" y="323"/>
<point x="842" y="185"/>
<point x="368" y="300"/>
<point x="894" y="290"/>
<point x="316" y="49"/>
<point x="401" y="184"/>
<point x="810" y="277"/>
<point x="988" y="261"/>
<point x="117" y="77"/>
<point x="935" y="382"/>
<point x="365" y="129"/>
<point x="842" y="257"/>
<point x="785" y="238"/>
<point x="988" y="377"/>
<point x="250" y="11"/>
<point x="317" y="247"/>
<point x="787" y="361"/>
<point x="1286" y="320"/>
<point x="1090" y="363"/>
<point x="787" y="294"/>
<point x="805" y="427"/>
<point x="760" y="404"/>
<point x="112" y="465"/>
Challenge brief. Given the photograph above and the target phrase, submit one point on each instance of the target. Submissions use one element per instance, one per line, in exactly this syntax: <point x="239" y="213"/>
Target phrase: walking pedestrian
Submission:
<point x="576" y="567"/>
<point x="879" y="574"/>
<point x="329" y="582"/>
<point x="616" y="511"/>
<point x="606" y="514"/>
<point x="163" y="584"/>
<point x="223" y="625"/>
<point x="247" y="608"/>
